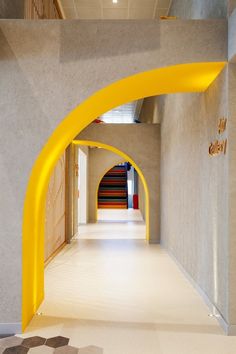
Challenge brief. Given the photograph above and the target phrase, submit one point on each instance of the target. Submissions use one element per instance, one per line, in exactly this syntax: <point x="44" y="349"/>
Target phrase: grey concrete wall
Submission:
<point x="232" y="164"/>
<point x="142" y="143"/>
<point x="232" y="193"/>
<point x="11" y="9"/>
<point x="194" y="189"/>
<point x="199" y="9"/>
<point x="100" y="161"/>
<point x="232" y="37"/>
<point x="49" y="67"/>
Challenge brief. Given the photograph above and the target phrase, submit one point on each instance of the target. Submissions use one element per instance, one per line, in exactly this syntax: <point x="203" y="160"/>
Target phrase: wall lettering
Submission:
<point x="218" y="147"/>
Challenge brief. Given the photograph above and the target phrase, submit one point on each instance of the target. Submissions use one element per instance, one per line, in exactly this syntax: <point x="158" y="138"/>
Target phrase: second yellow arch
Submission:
<point x="133" y="163"/>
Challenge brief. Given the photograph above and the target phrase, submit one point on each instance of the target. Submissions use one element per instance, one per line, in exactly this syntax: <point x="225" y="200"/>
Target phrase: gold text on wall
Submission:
<point x="222" y="125"/>
<point x="219" y="147"/>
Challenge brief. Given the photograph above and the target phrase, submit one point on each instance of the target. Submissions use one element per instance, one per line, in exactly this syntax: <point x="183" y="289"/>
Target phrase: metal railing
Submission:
<point x="43" y="9"/>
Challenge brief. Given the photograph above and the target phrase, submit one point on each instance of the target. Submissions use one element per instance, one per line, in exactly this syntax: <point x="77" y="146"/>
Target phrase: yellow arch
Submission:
<point x="194" y="77"/>
<point x="133" y="163"/>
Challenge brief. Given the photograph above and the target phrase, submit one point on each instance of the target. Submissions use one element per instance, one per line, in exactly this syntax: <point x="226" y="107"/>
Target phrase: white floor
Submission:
<point x="115" y="224"/>
<point x="127" y="297"/>
<point x="119" y="215"/>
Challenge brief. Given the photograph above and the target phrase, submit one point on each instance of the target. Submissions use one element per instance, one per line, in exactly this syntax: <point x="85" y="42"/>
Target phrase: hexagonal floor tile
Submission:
<point x="91" y="349"/>
<point x="33" y="342"/>
<point x="18" y="349"/>
<point x="56" y="342"/>
<point x="42" y="349"/>
<point x="66" y="349"/>
<point x="10" y="341"/>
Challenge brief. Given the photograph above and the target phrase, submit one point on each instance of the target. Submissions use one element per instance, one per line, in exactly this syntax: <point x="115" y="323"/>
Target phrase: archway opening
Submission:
<point x="180" y="78"/>
<point x="119" y="198"/>
<point x="122" y="158"/>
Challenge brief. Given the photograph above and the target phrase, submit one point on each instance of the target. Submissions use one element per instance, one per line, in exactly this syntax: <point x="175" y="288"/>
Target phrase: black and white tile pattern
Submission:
<point x="40" y="345"/>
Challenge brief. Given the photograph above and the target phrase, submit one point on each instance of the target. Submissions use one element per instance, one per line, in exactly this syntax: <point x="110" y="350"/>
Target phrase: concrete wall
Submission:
<point x="48" y="68"/>
<point x="199" y="9"/>
<point x="232" y="37"/>
<point x="194" y="189"/>
<point x="232" y="164"/>
<point x="232" y="193"/>
<point x="142" y="143"/>
<point x="12" y="9"/>
<point x="100" y="161"/>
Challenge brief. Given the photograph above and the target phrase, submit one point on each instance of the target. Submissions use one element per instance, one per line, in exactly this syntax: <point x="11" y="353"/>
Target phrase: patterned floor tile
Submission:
<point x="66" y="349"/>
<point x="33" y="342"/>
<point x="56" y="342"/>
<point x="42" y="349"/>
<point x="19" y="349"/>
<point x="91" y="349"/>
<point x="10" y="341"/>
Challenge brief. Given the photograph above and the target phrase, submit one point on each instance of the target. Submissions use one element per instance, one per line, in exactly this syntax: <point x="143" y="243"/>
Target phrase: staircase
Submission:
<point x="113" y="192"/>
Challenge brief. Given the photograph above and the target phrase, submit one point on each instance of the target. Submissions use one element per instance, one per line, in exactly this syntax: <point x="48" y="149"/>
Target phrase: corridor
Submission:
<point x="118" y="104"/>
<point x="126" y="297"/>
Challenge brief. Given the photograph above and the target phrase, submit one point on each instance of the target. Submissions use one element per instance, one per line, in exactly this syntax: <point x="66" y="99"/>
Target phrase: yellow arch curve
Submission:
<point x="133" y="163"/>
<point x="195" y="77"/>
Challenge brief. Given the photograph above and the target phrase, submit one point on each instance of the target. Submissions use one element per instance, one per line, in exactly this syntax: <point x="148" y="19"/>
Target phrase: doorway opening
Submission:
<point x="112" y="196"/>
<point x="120" y="197"/>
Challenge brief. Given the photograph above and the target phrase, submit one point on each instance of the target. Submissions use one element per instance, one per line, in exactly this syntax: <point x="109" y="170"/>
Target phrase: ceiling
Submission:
<point x="108" y="10"/>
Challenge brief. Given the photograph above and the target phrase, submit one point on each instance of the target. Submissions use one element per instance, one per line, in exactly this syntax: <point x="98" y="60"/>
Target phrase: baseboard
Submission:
<point x="54" y="254"/>
<point x="230" y="330"/>
<point x="10" y="328"/>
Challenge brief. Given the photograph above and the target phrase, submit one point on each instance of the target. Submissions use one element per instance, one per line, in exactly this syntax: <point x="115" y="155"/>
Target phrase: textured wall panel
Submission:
<point x="194" y="189"/>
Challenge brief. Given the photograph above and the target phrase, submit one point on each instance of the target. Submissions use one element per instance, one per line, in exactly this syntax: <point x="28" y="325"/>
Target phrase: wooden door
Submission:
<point x="55" y="210"/>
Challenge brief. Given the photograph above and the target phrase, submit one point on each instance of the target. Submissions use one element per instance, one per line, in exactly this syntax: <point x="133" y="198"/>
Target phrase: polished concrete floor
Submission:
<point x="126" y="297"/>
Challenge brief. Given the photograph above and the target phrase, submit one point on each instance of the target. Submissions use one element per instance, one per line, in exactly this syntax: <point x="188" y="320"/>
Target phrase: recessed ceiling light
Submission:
<point x="115" y="1"/>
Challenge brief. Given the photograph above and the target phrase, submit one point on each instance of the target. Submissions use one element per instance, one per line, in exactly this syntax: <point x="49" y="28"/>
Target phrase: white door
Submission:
<point x="82" y="207"/>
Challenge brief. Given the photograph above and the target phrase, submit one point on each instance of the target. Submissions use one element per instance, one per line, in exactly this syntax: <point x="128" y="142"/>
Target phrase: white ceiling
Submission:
<point x="123" y="9"/>
<point x="126" y="113"/>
